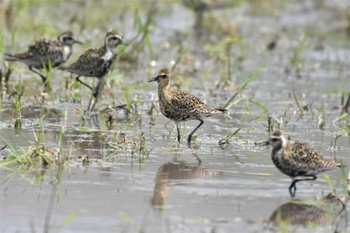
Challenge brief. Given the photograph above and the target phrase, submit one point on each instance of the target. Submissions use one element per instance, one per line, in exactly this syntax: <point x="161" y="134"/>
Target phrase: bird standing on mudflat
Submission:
<point x="96" y="62"/>
<point x="296" y="159"/>
<point x="45" y="53"/>
<point x="179" y="105"/>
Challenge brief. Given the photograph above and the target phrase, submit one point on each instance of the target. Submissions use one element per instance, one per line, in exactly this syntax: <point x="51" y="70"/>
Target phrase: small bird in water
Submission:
<point x="96" y="62"/>
<point x="46" y="53"/>
<point x="296" y="159"/>
<point x="180" y="105"/>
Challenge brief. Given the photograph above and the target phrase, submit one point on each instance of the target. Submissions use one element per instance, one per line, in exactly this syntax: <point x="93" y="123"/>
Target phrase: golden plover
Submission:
<point x="180" y="105"/>
<point x="96" y="62"/>
<point x="296" y="159"/>
<point x="45" y="53"/>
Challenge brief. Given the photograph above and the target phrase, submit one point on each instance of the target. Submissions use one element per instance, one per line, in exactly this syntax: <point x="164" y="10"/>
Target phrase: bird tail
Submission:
<point x="221" y="110"/>
<point x="10" y="57"/>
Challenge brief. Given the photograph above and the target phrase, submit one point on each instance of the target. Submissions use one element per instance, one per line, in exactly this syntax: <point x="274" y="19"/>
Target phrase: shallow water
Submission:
<point x="208" y="188"/>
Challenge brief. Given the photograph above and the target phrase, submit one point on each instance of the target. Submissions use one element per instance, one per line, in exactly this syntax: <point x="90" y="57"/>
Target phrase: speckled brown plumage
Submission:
<point x="44" y="53"/>
<point x="297" y="159"/>
<point x="96" y="62"/>
<point x="179" y="105"/>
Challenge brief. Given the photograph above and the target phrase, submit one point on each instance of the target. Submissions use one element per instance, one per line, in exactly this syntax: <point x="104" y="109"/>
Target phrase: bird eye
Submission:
<point x="274" y="139"/>
<point x="164" y="76"/>
<point x="114" y="38"/>
<point x="67" y="38"/>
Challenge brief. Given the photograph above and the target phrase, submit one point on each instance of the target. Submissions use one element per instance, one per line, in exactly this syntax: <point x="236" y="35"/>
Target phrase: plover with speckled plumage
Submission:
<point x="45" y="53"/>
<point x="296" y="159"/>
<point x="179" y="105"/>
<point x="96" y="62"/>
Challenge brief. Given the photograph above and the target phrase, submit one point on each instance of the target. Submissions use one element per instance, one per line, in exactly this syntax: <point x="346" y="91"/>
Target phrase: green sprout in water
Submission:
<point x="296" y="60"/>
<point x="226" y="140"/>
<point x="230" y="103"/>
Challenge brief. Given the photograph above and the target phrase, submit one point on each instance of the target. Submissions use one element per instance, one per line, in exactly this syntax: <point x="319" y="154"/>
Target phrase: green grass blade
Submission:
<point x="344" y="181"/>
<point x="329" y="182"/>
<point x="69" y="217"/>
<point x="250" y="78"/>
<point x="259" y="104"/>
<point x="123" y="216"/>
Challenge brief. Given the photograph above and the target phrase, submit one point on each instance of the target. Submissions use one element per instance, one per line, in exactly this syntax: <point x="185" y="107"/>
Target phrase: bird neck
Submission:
<point x="107" y="53"/>
<point x="67" y="51"/>
<point x="106" y="49"/>
<point x="277" y="151"/>
<point x="163" y="86"/>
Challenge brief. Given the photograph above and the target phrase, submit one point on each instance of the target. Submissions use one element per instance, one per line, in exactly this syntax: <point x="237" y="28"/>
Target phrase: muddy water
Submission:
<point x="208" y="188"/>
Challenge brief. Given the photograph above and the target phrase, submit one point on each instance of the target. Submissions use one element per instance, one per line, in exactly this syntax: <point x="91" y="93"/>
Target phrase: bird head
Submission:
<point x="68" y="38"/>
<point x="113" y="39"/>
<point x="162" y="76"/>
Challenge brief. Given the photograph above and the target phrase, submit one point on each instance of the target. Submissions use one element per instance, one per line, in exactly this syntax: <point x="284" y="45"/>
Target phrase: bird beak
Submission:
<point x="123" y="42"/>
<point x="265" y="143"/>
<point x="78" y="42"/>
<point x="155" y="78"/>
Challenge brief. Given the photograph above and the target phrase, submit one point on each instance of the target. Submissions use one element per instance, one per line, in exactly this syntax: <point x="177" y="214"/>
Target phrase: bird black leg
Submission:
<point x="178" y="132"/>
<point x="95" y="94"/>
<point x="78" y="79"/>
<point x="190" y="136"/>
<point x="293" y="187"/>
<point x="97" y="89"/>
<point x="41" y="75"/>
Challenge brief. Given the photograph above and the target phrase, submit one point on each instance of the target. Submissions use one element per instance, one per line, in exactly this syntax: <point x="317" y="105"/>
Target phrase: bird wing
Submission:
<point x="87" y="62"/>
<point x="185" y="101"/>
<point x="303" y="151"/>
<point x="44" y="48"/>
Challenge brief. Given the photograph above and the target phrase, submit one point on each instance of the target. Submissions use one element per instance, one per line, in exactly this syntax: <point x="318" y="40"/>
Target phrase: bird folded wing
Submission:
<point x="88" y="61"/>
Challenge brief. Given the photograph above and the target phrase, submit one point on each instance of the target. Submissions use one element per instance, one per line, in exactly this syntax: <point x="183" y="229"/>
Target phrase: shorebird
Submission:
<point x="179" y="105"/>
<point x="96" y="62"/>
<point x="45" y="53"/>
<point x="297" y="159"/>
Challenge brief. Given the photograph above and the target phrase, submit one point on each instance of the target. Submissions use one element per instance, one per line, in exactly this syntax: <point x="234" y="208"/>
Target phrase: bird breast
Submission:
<point x="67" y="51"/>
<point x="108" y="55"/>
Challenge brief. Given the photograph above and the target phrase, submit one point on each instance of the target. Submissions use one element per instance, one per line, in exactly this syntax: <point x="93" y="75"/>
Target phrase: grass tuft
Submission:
<point x="250" y="78"/>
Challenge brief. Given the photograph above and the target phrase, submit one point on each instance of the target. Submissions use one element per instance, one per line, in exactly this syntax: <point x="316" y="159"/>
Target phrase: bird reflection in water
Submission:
<point x="299" y="215"/>
<point x="175" y="170"/>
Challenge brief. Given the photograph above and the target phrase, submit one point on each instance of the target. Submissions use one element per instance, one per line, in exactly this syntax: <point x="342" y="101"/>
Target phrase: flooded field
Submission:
<point x="273" y="64"/>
